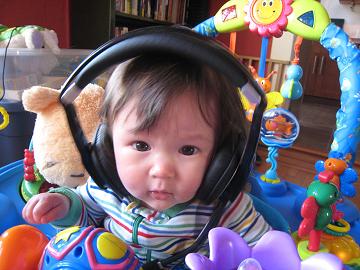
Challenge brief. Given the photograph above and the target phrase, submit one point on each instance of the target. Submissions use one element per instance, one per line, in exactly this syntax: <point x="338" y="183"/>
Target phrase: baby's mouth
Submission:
<point x="160" y="195"/>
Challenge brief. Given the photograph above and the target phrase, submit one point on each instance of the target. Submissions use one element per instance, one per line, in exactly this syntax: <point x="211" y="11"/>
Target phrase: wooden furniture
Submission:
<point x="93" y="22"/>
<point x="321" y="74"/>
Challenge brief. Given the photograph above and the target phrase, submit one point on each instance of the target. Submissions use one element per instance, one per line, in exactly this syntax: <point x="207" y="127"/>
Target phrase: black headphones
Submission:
<point x="232" y="162"/>
<point x="231" y="165"/>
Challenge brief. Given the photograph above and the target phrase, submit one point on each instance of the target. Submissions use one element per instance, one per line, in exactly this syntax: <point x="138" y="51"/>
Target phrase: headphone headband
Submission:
<point x="177" y="40"/>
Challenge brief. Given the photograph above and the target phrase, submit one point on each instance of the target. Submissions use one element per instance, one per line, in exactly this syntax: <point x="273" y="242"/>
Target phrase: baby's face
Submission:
<point x="165" y="165"/>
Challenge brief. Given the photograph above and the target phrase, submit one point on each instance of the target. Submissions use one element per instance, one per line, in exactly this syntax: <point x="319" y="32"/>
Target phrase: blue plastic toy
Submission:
<point x="87" y="249"/>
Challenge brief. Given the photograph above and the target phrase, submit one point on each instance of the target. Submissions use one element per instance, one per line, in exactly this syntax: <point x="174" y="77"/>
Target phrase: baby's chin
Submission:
<point x="161" y="201"/>
<point x="160" y="207"/>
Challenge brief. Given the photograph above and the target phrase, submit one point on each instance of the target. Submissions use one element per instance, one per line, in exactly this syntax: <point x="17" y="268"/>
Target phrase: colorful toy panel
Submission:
<point x="88" y="248"/>
<point x="230" y="17"/>
<point x="306" y="18"/>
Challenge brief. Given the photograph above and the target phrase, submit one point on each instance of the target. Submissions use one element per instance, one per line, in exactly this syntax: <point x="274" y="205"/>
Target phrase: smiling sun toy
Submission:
<point x="268" y="17"/>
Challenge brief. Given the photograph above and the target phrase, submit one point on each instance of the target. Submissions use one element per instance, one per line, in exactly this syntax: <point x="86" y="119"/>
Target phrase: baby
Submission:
<point x="167" y="117"/>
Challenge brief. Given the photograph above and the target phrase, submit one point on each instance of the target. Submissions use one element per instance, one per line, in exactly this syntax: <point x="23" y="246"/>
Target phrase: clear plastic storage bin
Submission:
<point x="21" y="69"/>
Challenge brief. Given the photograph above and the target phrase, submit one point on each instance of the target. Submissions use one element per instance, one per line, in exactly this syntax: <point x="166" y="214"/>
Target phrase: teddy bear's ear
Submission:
<point x="38" y="98"/>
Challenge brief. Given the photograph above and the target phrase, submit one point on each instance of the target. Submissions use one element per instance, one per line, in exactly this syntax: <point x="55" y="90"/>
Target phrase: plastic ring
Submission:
<point x="345" y="226"/>
<point x="304" y="252"/>
<point x="5" y="116"/>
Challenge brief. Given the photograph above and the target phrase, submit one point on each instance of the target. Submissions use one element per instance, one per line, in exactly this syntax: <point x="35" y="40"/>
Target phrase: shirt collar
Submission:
<point x="135" y="206"/>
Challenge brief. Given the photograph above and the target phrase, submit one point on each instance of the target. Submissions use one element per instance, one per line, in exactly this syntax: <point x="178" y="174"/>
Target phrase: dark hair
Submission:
<point x="156" y="79"/>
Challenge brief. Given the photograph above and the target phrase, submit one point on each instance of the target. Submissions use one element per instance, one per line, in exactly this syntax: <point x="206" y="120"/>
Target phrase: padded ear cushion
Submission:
<point x="221" y="170"/>
<point x="103" y="159"/>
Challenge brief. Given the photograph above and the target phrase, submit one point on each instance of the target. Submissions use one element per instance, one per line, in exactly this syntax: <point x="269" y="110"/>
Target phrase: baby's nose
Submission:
<point x="163" y="167"/>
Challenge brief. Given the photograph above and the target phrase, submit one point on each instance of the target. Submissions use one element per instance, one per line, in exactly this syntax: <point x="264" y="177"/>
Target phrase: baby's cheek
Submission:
<point x="190" y="188"/>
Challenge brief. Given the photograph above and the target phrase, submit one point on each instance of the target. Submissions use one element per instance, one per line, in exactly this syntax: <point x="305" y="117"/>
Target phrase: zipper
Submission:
<point x="136" y="225"/>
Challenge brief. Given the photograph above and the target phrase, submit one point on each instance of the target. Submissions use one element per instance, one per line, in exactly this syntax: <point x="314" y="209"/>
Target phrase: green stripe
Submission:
<point x="173" y="211"/>
<point x="75" y="207"/>
<point x="159" y="226"/>
<point x="136" y="225"/>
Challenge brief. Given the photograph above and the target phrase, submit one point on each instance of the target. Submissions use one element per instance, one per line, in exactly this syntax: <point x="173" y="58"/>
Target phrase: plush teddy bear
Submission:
<point x="55" y="154"/>
<point x="30" y="36"/>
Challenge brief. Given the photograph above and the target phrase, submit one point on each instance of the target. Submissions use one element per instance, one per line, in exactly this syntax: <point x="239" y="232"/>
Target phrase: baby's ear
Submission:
<point x="38" y="98"/>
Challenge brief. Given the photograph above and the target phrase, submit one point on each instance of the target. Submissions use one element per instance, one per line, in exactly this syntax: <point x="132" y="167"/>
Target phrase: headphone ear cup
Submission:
<point x="103" y="160"/>
<point x="221" y="170"/>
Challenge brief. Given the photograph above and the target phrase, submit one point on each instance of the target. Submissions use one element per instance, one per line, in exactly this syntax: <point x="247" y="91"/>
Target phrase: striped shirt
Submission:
<point x="153" y="234"/>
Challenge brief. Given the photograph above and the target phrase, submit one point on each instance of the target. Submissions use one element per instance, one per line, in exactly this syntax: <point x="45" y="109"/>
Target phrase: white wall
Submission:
<point x="282" y="48"/>
<point x="347" y="12"/>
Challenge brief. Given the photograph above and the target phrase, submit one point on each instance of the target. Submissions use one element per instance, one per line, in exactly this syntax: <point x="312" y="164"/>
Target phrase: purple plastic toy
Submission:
<point x="276" y="250"/>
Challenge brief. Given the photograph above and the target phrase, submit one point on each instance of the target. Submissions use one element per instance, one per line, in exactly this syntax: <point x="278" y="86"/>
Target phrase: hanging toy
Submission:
<point x="264" y="83"/>
<point x="292" y="88"/>
<point x="274" y="98"/>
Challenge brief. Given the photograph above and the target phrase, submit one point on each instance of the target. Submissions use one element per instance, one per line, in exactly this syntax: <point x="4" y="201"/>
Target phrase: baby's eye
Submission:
<point x="141" y="146"/>
<point x="188" y="150"/>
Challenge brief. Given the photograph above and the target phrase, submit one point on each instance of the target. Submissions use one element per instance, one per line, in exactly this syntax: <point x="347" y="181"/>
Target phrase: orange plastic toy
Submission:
<point x="279" y="125"/>
<point x="21" y="247"/>
<point x="264" y="82"/>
